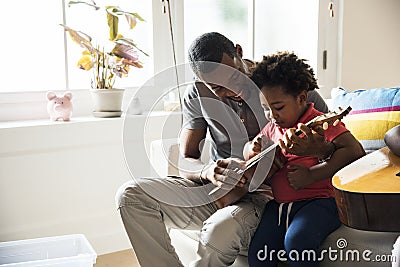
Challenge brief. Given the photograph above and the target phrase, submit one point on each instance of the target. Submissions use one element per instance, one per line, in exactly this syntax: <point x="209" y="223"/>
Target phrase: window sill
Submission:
<point x="27" y="107"/>
<point x="80" y="120"/>
<point x="48" y="122"/>
<point x="32" y="136"/>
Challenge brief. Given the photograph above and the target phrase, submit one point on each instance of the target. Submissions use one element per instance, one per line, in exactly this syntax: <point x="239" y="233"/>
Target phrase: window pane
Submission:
<point x="94" y="23"/>
<point x="290" y="25"/>
<point x="32" y="46"/>
<point x="227" y="17"/>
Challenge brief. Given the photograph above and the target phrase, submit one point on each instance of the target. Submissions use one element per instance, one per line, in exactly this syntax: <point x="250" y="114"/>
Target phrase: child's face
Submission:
<point x="282" y="108"/>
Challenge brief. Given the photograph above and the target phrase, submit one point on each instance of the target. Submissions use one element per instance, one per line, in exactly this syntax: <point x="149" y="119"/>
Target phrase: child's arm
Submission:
<point x="348" y="149"/>
<point x="255" y="146"/>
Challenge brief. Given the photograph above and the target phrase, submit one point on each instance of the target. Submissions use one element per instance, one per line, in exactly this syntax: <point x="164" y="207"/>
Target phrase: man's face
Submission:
<point x="227" y="82"/>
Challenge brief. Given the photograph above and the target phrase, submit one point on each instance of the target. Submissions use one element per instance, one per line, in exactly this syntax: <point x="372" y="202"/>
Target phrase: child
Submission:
<point x="304" y="211"/>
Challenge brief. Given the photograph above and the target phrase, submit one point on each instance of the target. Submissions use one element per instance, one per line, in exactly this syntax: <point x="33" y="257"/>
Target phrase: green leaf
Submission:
<point x="130" y="17"/>
<point x="91" y="4"/>
<point x="112" y="22"/>
<point x="127" y="41"/>
<point x="135" y="15"/>
<point x="115" y="10"/>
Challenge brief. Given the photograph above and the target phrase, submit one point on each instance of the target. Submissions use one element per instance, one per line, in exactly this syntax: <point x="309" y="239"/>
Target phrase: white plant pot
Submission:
<point x="107" y="102"/>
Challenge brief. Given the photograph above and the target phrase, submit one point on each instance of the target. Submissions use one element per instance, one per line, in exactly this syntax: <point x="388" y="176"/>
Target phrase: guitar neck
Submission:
<point x="310" y="124"/>
<point x="250" y="163"/>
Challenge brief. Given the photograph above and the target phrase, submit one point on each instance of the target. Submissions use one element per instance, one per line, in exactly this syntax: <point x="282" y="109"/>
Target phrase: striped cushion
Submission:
<point x="374" y="112"/>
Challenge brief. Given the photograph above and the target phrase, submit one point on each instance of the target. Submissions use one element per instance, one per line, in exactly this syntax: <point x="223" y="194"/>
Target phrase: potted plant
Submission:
<point x="107" y="66"/>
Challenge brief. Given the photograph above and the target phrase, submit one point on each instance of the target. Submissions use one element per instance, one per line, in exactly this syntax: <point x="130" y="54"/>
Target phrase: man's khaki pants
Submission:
<point x="224" y="232"/>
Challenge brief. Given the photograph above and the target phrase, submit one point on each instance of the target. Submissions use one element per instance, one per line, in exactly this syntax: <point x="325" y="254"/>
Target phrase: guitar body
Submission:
<point x="367" y="192"/>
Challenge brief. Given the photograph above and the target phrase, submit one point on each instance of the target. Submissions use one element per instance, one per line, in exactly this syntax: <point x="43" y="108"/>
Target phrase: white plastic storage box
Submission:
<point x="59" y="251"/>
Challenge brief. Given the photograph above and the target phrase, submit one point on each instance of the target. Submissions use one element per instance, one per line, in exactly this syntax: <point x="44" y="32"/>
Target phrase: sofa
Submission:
<point x="374" y="112"/>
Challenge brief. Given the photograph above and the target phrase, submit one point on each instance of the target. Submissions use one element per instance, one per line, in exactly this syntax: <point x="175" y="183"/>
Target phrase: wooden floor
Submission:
<point x="124" y="258"/>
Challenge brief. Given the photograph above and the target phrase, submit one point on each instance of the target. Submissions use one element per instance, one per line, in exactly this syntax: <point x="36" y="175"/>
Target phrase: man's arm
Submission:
<point x="392" y="139"/>
<point x="190" y="165"/>
<point x="348" y="149"/>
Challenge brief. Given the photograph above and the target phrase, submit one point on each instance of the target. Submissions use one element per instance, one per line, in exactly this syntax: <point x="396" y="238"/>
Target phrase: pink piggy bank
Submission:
<point x="59" y="107"/>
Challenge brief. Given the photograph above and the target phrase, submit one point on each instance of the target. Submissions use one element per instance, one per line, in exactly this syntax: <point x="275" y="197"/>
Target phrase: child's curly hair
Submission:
<point x="287" y="70"/>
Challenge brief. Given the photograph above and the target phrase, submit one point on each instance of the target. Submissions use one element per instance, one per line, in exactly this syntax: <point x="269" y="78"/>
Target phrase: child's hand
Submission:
<point x="310" y="143"/>
<point x="299" y="176"/>
<point x="278" y="163"/>
<point x="259" y="143"/>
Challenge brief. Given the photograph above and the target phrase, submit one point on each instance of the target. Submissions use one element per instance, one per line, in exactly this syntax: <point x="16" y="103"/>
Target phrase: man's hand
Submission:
<point x="299" y="176"/>
<point x="224" y="174"/>
<point x="310" y="143"/>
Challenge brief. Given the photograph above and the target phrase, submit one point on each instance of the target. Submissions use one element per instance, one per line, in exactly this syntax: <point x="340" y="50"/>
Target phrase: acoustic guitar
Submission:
<point x="367" y="192"/>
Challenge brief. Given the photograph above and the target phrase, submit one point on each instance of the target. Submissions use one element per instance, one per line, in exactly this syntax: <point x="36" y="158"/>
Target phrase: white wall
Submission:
<point x="371" y="38"/>
<point x="61" y="178"/>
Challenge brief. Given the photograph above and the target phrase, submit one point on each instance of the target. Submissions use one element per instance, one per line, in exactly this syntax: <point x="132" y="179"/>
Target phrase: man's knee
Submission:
<point x="129" y="193"/>
<point x="222" y="233"/>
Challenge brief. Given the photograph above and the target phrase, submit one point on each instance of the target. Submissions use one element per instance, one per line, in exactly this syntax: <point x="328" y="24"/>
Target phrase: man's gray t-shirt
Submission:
<point x="230" y="123"/>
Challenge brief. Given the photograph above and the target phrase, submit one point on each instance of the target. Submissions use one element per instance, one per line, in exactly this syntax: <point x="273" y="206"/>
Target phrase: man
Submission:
<point x="233" y="115"/>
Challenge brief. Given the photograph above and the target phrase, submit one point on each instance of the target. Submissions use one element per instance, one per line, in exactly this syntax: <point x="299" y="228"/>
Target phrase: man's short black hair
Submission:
<point x="209" y="47"/>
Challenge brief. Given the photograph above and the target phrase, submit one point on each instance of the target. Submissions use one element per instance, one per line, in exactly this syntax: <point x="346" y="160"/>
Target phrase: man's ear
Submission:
<point x="239" y="50"/>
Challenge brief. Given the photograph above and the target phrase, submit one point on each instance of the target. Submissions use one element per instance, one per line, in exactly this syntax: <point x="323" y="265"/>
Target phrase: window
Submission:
<point x="267" y="26"/>
<point x="290" y="25"/>
<point x="34" y="51"/>
<point x="225" y="16"/>
<point x="32" y="47"/>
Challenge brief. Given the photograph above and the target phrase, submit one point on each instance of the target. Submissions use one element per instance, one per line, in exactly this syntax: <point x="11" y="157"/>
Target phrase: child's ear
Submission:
<point x="303" y="96"/>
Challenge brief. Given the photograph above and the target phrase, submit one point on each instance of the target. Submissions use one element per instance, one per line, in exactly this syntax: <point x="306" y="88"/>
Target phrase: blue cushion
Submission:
<point x="374" y="112"/>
